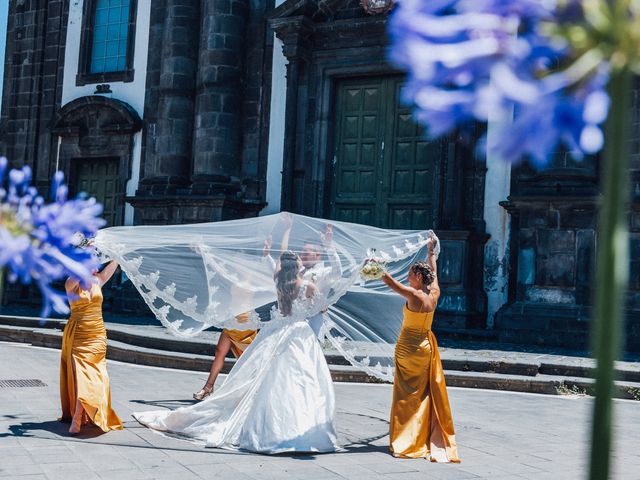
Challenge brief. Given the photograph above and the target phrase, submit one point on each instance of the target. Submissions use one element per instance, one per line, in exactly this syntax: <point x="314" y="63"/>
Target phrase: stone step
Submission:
<point x="124" y="352"/>
<point x="156" y="338"/>
<point x="545" y="384"/>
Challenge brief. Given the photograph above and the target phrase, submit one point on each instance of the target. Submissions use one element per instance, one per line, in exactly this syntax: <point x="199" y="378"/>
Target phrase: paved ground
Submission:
<point x="501" y="435"/>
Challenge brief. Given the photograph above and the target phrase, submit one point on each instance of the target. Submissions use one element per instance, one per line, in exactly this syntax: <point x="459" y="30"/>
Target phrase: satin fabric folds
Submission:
<point x="278" y="398"/>
<point x="421" y="425"/>
<point x="83" y="365"/>
<point x="240" y="339"/>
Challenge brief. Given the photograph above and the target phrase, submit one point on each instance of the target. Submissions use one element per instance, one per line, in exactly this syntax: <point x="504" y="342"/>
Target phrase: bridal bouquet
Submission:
<point x="372" y="268"/>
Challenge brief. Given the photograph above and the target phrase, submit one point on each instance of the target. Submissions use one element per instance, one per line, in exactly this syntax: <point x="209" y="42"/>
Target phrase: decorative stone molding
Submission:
<point x="122" y="118"/>
<point x="103" y="88"/>
<point x="377" y="7"/>
<point x="295" y="33"/>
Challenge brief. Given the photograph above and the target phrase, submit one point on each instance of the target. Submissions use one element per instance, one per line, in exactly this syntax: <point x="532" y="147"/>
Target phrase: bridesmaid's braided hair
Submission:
<point x="424" y="271"/>
<point x="286" y="281"/>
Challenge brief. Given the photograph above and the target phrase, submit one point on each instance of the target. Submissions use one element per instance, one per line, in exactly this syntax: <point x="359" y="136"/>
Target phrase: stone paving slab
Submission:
<point x="501" y="435"/>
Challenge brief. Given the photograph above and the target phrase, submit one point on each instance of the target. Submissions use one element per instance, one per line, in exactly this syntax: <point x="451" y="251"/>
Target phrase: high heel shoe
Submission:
<point x="203" y="393"/>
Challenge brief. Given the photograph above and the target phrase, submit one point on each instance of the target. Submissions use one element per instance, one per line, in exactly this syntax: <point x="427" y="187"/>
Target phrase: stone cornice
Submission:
<point x="295" y="33"/>
<point x="515" y="203"/>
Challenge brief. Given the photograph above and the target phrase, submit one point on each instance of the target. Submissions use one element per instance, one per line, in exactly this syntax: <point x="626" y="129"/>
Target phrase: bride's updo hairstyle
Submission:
<point x="423" y="270"/>
<point x="286" y="281"/>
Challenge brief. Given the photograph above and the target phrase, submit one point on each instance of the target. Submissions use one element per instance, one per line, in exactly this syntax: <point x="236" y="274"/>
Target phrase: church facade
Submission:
<point x="179" y="111"/>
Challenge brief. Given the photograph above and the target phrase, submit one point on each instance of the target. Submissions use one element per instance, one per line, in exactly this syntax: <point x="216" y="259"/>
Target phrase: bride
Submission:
<point x="279" y="396"/>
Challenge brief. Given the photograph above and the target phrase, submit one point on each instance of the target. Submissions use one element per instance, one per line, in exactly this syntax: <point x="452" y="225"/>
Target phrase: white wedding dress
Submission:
<point x="278" y="397"/>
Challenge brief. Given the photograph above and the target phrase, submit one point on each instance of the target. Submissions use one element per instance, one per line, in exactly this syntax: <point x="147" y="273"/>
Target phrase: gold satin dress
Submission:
<point x="83" y="365"/>
<point x="421" y="425"/>
<point x="240" y="339"/>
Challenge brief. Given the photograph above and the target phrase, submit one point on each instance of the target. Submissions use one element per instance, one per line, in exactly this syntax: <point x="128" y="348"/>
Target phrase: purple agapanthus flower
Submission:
<point x="38" y="241"/>
<point x="468" y="59"/>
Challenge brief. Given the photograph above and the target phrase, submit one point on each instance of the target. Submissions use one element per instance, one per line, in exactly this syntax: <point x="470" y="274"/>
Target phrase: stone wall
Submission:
<point x="33" y="83"/>
<point x="36" y="33"/>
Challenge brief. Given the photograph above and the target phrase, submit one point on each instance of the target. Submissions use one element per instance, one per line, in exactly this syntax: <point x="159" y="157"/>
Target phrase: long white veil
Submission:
<point x="204" y="275"/>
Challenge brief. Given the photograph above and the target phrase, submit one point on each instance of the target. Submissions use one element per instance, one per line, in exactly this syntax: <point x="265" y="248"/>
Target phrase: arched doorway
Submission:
<point x="96" y="150"/>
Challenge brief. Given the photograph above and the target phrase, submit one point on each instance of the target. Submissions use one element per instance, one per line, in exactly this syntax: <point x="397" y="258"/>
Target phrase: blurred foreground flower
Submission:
<point x="548" y="61"/>
<point x="39" y="242"/>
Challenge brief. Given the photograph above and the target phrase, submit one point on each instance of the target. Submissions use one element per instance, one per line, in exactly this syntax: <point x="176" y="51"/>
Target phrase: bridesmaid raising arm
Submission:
<point x="423" y="291"/>
<point x="421" y="425"/>
<point x="85" y="394"/>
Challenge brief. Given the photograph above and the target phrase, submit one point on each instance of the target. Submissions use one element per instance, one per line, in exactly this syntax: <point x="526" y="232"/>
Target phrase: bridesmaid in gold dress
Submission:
<point x="235" y="340"/>
<point x="421" y="425"/>
<point x="85" y="395"/>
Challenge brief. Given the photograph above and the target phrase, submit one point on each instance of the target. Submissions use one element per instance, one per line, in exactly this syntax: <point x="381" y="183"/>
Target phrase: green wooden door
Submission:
<point x="99" y="178"/>
<point x="384" y="168"/>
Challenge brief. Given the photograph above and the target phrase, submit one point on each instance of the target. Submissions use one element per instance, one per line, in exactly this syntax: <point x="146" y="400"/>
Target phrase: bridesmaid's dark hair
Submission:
<point x="286" y="279"/>
<point x="424" y="270"/>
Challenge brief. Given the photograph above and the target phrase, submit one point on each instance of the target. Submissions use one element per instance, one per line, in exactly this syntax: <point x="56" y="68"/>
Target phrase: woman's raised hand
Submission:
<point x="287" y="220"/>
<point x="432" y="242"/>
<point x="266" y="249"/>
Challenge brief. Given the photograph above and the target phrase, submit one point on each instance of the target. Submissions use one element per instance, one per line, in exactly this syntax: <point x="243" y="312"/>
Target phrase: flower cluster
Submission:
<point x="39" y="241"/>
<point x="372" y="268"/>
<point x="543" y="61"/>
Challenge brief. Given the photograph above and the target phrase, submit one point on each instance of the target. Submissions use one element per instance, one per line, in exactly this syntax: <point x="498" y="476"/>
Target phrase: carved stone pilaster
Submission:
<point x="296" y="35"/>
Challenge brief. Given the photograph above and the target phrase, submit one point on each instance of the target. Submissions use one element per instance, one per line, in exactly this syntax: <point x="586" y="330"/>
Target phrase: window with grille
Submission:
<point x="106" y="52"/>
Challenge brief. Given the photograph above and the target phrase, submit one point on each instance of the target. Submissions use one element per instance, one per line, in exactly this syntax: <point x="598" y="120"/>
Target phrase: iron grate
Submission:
<point x="21" y="383"/>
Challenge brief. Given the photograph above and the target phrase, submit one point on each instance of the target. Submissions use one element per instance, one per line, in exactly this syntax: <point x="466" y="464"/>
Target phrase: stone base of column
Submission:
<point x="215" y="185"/>
<point x="162" y="185"/>
<point x="192" y="208"/>
<point x="463" y="302"/>
<point x="557" y="326"/>
<point x="461" y="310"/>
<point x="546" y="325"/>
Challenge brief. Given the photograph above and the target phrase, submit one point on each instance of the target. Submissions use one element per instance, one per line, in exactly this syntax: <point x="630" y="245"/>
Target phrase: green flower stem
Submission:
<point x="612" y="268"/>
<point x="2" y="274"/>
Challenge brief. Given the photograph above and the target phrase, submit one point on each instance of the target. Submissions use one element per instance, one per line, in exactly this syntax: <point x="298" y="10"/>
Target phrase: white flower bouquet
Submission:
<point x="372" y="268"/>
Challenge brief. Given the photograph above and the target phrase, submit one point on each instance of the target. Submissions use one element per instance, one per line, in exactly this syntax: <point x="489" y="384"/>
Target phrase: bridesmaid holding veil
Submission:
<point x="85" y="395"/>
<point x="421" y="425"/>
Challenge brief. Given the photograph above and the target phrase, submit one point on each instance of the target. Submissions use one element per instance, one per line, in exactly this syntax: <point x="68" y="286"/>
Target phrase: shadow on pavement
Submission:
<point x="366" y="447"/>
<point x="53" y="430"/>
<point x="169" y="404"/>
<point x="60" y="429"/>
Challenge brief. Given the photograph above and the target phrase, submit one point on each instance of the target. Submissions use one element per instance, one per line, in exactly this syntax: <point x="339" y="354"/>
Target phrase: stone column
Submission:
<point x="218" y="115"/>
<point x="168" y="160"/>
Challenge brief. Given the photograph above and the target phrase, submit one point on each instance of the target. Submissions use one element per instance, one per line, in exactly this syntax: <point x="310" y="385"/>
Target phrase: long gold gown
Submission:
<point x="421" y="425"/>
<point x="240" y="339"/>
<point x="83" y="366"/>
